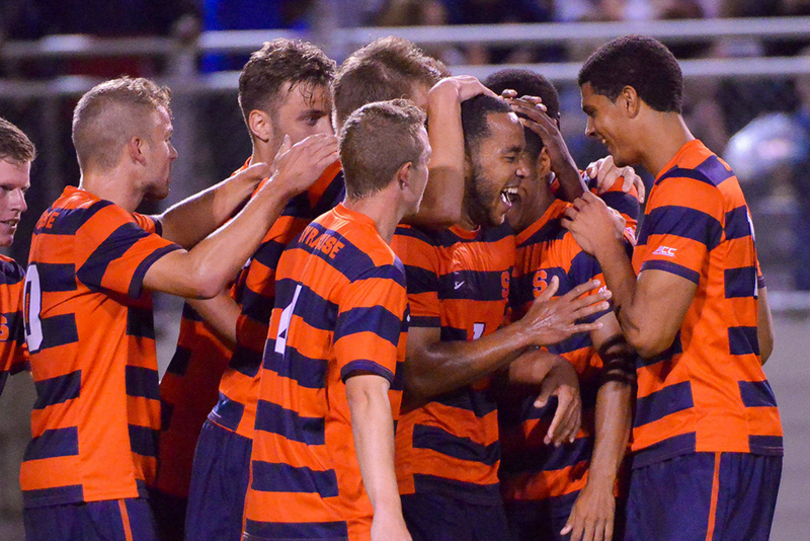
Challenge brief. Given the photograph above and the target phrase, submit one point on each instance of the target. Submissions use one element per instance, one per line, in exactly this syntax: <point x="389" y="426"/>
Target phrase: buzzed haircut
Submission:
<point x="475" y="119"/>
<point x="640" y="62"/>
<point x="281" y="61"/>
<point x="528" y="83"/>
<point x="15" y="146"/>
<point x="110" y="114"/>
<point x="385" y="69"/>
<point x="375" y="141"/>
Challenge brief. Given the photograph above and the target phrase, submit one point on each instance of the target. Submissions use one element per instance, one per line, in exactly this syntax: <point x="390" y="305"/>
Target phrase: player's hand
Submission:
<point x="606" y="173"/>
<point x="253" y="175"/>
<point x="389" y="527"/>
<point x="550" y="320"/>
<point x="591" y="222"/>
<point x="592" y="516"/>
<point x="298" y="166"/>
<point x="458" y="88"/>
<point x="562" y="381"/>
<point x="537" y="120"/>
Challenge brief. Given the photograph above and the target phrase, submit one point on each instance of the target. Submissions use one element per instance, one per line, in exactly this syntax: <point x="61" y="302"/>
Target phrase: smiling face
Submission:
<point x="160" y="154"/>
<point x="498" y="167"/>
<point x="303" y="110"/>
<point x="609" y="122"/>
<point x="14" y="182"/>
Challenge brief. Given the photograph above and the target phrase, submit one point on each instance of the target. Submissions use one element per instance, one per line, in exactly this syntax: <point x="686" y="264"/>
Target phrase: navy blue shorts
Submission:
<point x="219" y="483"/>
<point x="110" y="520"/>
<point x="540" y="520"/>
<point x="436" y="517"/>
<point x="704" y="496"/>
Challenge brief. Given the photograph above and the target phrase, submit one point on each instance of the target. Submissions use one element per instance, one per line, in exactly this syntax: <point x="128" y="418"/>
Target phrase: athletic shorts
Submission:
<point x="540" y="520"/>
<point x="437" y="517"/>
<point x="219" y="483"/>
<point x="704" y="497"/>
<point x="110" y="520"/>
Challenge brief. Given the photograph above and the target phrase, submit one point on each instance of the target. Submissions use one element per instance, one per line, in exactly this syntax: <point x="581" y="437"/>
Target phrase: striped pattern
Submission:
<point x="531" y="470"/>
<point x="255" y="292"/>
<point x="458" y="281"/>
<point x="708" y="391"/>
<point x="341" y="309"/>
<point x="89" y="329"/>
<point x="13" y="352"/>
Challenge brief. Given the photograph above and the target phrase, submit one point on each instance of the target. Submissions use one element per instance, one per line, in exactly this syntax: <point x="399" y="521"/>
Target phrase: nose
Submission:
<point x="324" y="126"/>
<point x="522" y="170"/>
<point x="173" y="153"/>
<point x="589" y="129"/>
<point x="18" y="201"/>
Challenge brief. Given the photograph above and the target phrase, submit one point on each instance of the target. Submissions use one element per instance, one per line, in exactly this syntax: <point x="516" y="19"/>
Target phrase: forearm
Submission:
<point x="196" y="217"/>
<point x="613" y="417"/>
<point x="571" y="184"/>
<point x="764" y="325"/>
<point x="373" y="432"/>
<point x="532" y="367"/>
<point x="220" y="314"/>
<point x="620" y="279"/>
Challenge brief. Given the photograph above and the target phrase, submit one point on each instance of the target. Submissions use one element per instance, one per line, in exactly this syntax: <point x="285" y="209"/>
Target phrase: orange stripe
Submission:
<point x="715" y="491"/>
<point x="125" y="520"/>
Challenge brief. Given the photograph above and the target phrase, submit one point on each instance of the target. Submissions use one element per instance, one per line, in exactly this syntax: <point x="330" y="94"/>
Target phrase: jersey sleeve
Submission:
<point x="150" y="224"/>
<point x="371" y="315"/>
<point x="422" y="273"/>
<point x="114" y="252"/>
<point x="683" y="224"/>
<point x="12" y="327"/>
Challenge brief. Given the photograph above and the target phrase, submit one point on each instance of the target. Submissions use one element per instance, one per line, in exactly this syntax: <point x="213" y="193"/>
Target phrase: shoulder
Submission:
<point x="10" y="271"/>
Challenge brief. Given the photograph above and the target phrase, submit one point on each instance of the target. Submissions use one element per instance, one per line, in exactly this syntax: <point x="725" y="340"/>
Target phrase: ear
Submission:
<point x="403" y="175"/>
<point x="261" y="127"/>
<point x="135" y="150"/>
<point x="543" y="163"/>
<point x="630" y="101"/>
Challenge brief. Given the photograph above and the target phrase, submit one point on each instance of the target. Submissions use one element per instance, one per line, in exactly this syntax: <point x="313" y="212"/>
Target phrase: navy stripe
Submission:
<point x="577" y="341"/>
<point x="69" y="221"/>
<point x="136" y="285"/>
<point x="140" y="322"/>
<point x="54" y="443"/>
<point x="481" y="403"/>
<point x="54" y="277"/>
<point x="158" y="225"/>
<point x="445" y="238"/>
<point x="349" y="260"/>
<point x="365" y="365"/>
<point x="143" y="440"/>
<point x="287" y="423"/>
<point x="305" y="371"/>
<point x="142" y="382"/>
<point x="256" y="306"/>
<point x="470" y="284"/>
<point x="673" y="268"/>
<point x="427" y="322"/>
<point x="440" y="441"/>
<point x="711" y="171"/>
<point x="113" y="247"/>
<point x="52" y="496"/>
<point x="316" y="311"/>
<point x="190" y="313"/>
<point x="452" y="334"/>
<point x="547" y="457"/>
<point x="3" y="378"/>
<point x="682" y="222"/>
<point x="669" y="448"/>
<point x="332" y="195"/>
<point x="275" y="477"/>
<point x="669" y="400"/>
<point x="11" y="272"/>
<point x="421" y="280"/>
<point x="743" y="341"/>
<point x="757" y="394"/>
<point x="58" y="390"/>
<point x="323" y="531"/>
<point x="549" y="232"/>
<point x="463" y="490"/>
<point x="246" y="361"/>
<point x="298" y="206"/>
<point x="58" y="331"/>
<point x="16" y="328"/>
<point x="179" y="363"/>
<point x="375" y="319"/>
<point x="269" y="253"/>
<point x="737" y="224"/>
<point x="625" y="203"/>
<point x="227" y="412"/>
<point x="740" y="282"/>
<point x="766" y="445"/>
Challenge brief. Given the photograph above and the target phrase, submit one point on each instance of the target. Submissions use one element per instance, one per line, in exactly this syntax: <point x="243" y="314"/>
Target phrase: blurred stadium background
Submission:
<point x="747" y="75"/>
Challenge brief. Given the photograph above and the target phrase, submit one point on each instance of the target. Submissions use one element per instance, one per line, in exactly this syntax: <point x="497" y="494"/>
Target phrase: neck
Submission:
<point x="378" y="208"/>
<point x="541" y="204"/>
<point x="671" y="135"/>
<point x="262" y="153"/>
<point x="115" y="185"/>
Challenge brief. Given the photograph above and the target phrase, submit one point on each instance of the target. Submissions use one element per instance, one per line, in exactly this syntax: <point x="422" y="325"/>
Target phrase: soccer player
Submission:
<point x="323" y="457"/>
<point x="88" y="317"/>
<point x="16" y="154"/>
<point x="550" y="491"/>
<point x="707" y="439"/>
<point x="283" y="93"/>
<point x="458" y="287"/>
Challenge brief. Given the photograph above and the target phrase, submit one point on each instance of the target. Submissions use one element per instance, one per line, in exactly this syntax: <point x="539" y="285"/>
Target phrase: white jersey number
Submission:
<point x="32" y="306"/>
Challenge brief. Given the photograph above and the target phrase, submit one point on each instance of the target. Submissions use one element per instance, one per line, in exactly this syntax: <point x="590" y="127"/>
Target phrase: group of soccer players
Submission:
<point x="431" y="326"/>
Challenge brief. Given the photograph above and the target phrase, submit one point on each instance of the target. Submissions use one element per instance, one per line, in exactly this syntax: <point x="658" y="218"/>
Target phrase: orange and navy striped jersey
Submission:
<point x="341" y="309"/>
<point x="254" y="291"/>
<point x="458" y="281"/>
<point x="91" y="338"/>
<point x="13" y="353"/>
<point x="530" y="469"/>
<point x="188" y="391"/>
<point x="707" y="391"/>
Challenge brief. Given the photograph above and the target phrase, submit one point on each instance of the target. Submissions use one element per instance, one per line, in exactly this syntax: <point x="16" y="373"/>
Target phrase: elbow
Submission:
<point x="766" y="348"/>
<point x="648" y="344"/>
<point x="206" y="284"/>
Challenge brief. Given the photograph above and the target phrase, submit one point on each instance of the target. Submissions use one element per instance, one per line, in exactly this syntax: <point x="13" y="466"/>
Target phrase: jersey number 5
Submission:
<point x="32" y="306"/>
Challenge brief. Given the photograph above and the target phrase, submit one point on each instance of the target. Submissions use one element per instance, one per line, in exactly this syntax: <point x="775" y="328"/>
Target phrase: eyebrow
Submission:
<point x="313" y="112"/>
<point x="513" y="149"/>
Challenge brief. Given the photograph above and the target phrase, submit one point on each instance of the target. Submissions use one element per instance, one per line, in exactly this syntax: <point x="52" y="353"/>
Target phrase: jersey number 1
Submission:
<point x="32" y="306"/>
<point x="284" y="324"/>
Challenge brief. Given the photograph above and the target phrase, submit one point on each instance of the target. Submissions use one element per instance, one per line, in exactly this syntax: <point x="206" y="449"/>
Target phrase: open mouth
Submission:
<point x="510" y="195"/>
<point x="11" y="223"/>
